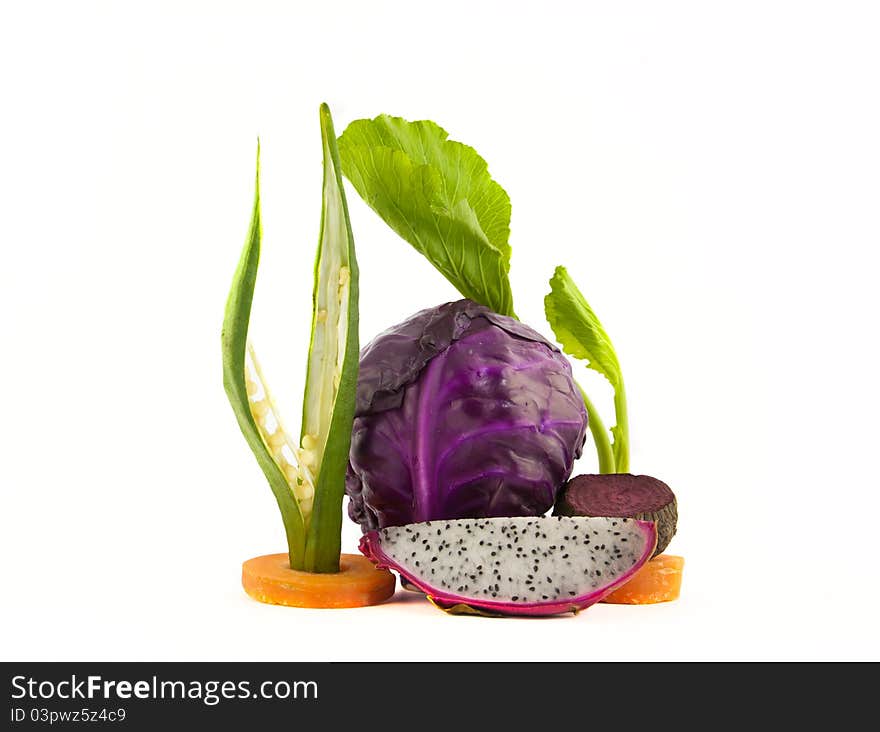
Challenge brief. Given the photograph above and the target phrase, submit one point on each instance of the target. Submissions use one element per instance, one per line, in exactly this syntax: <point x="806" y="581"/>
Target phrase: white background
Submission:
<point x="707" y="171"/>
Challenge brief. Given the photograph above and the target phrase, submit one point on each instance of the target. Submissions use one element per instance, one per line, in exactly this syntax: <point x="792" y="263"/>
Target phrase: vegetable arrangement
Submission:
<point x="453" y="432"/>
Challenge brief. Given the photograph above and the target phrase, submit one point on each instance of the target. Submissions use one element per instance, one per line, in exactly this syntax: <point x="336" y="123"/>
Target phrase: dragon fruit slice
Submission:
<point x="515" y="566"/>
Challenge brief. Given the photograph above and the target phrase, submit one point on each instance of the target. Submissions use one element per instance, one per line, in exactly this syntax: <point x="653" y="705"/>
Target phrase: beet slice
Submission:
<point x="622" y="495"/>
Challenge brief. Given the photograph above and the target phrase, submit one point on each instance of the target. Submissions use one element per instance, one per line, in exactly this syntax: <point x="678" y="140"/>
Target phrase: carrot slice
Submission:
<point x="657" y="581"/>
<point x="358" y="583"/>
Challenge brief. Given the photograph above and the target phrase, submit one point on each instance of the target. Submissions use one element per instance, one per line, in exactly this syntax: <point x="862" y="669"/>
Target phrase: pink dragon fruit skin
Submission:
<point x="565" y="575"/>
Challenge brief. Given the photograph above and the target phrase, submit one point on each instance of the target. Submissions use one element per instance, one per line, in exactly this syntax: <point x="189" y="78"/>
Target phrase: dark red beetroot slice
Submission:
<point x="622" y="495"/>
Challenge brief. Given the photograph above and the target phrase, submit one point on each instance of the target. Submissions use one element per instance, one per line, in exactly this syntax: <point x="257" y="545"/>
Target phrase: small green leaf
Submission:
<point x="235" y="382"/>
<point x="331" y="380"/>
<point x="438" y="195"/>
<point x="578" y="329"/>
<point x="581" y="335"/>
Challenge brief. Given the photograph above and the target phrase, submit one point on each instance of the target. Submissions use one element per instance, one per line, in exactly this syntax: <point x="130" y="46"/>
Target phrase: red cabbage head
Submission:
<point x="461" y="413"/>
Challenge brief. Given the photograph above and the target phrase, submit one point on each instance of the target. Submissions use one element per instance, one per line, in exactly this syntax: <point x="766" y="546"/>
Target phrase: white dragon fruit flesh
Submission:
<point x="515" y="566"/>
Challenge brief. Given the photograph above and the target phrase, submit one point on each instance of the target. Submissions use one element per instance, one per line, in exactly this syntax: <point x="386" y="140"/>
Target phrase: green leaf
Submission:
<point x="331" y="380"/>
<point x="438" y="195"/>
<point x="236" y="382"/>
<point x="581" y="335"/>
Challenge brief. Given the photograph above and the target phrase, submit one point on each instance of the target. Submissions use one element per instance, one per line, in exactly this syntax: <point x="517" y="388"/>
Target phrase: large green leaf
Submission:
<point x="438" y="195"/>
<point x="235" y="381"/>
<point x="331" y="381"/>
<point x="581" y="335"/>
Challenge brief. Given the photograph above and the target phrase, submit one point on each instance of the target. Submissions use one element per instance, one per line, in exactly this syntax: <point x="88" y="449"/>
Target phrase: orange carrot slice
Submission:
<point x="358" y="583"/>
<point x="657" y="581"/>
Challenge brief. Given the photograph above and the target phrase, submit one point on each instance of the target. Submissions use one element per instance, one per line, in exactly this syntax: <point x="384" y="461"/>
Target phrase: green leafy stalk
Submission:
<point x="308" y="479"/>
<point x="582" y="336"/>
<point x="331" y="381"/>
<point x="438" y="195"/>
<point x="234" y="345"/>
<point x="621" y="431"/>
<point x="600" y="436"/>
